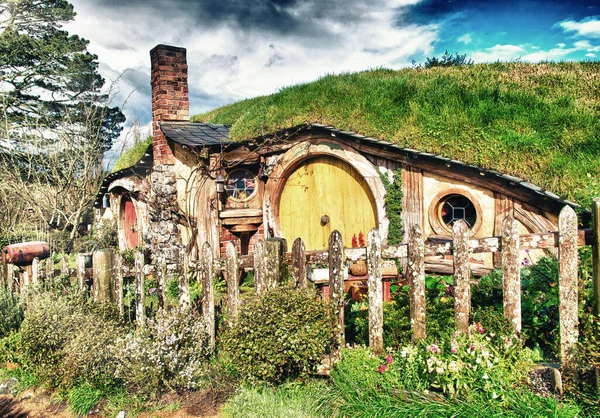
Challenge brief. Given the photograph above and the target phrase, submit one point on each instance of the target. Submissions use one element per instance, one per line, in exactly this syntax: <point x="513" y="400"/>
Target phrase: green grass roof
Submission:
<point x="540" y="122"/>
<point x="132" y="155"/>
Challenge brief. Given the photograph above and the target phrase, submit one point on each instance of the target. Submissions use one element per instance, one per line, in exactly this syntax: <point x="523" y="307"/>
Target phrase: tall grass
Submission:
<point x="537" y="121"/>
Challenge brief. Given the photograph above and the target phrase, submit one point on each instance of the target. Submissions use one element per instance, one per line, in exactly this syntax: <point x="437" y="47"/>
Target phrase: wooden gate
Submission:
<point x="323" y="194"/>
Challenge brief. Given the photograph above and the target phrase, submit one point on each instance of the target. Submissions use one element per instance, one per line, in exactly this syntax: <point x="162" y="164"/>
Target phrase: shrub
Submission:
<point x="282" y="334"/>
<point x="11" y="312"/>
<point x="170" y="353"/>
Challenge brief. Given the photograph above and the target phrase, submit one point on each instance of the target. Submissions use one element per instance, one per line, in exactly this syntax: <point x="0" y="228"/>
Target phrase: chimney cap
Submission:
<point x="165" y="47"/>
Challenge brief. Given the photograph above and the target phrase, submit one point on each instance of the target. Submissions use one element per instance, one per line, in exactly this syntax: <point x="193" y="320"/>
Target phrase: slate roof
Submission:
<point x="196" y="134"/>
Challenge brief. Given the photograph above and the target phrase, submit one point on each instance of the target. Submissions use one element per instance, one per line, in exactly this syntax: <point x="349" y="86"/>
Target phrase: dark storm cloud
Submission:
<point x="283" y="17"/>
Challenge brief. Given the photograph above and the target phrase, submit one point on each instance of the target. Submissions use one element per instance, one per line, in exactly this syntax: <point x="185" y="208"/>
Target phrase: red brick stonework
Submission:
<point x="170" y="102"/>
<point x="225" y="236"/>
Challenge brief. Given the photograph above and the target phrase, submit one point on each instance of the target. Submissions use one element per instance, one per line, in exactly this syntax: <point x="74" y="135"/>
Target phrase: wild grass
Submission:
<point x="132" y="155"/>
<point x="537" y="121"/>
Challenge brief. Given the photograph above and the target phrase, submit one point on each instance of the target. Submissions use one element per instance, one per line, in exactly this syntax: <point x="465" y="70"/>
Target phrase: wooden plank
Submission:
<point x="259" y="267"/>
<point x="511" y="272"/>
<point x="3" y="274"/>
<point x="118" y="284"/>
<point x="298" y="265"/>
<point x="336" y="286"/>
<point x="535" y="222"/>
<point x="10" y="276"/>
<point x="103" y="274"/>
<point x="79" y="271"/>
<point x="206" y="276"/>
<point x="36" y="268"/>
<point x="567" y="282"/>
<point x="184" y="283"/>
<point x="232" y="277"/>
<point x="447" y="267"/>
<point x="412" y="198"/>
<point x="503" y="207"/>
<point x="242" y="221"/>
<point x="416" y="280"/>
<point x="64" y="266"/>
<point x="462" y="275"/>
<point x="274" y="249"/>
<point x="49" y="269"/>
<point x="140" y="294"/>
<point x="596" y="253"/>
<point x="375" y="291"/>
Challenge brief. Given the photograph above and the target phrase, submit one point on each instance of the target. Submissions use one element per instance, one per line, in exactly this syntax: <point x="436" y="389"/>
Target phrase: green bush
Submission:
<point x="170" y="353"/>
<point x="11" y="312"/>
<point x="282" y="334"/>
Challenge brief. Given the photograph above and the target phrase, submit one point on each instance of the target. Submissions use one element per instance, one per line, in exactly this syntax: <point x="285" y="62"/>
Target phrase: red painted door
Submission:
<point x="130" y="224"/>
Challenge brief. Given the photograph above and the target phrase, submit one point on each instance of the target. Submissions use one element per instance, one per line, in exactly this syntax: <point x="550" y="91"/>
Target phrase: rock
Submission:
<point x="7" y="385"/>
<point x="28" y="394"/>
<point x="121" y="414"/>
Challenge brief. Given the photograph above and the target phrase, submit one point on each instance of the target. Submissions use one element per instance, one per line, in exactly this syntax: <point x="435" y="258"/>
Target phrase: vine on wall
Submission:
<point x="393" y="205"/>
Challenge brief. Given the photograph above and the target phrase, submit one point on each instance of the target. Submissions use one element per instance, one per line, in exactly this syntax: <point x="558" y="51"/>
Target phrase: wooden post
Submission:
<point x="103" y="271"/>
<point x="3" y="274"/>
<point x="259" y="267"/>
<point x="416" y="281"/>
<point x="375" y="291"/>
<point x="10" y="276"/>
<point x="232" y="274"/>
<point x="118" y="284"/>
<point x="35" y="270"/>
<point x="80" y="271"/>
<point x="64" y="266"/>
<point x="275" y="269"/>
<point x="140" y="295"/>
<point x="462" y="275"/>
<point x="161" y="273"/>
<point x="49" y="269"/>
<point x="596" y="253"/>
<point x="511" y="272"/>
<point x="206" y="276"/>
<point x="298" y="268"/>
<point x="336" y="285"/>
<point x="184" y="283"/>
<point x="567" y="282"/>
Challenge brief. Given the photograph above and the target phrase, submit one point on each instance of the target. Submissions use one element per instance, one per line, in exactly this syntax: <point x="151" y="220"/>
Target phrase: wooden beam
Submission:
<point x="416" y="281"/>
<point x="511" y="272"/>
<point x="336" y="286"/>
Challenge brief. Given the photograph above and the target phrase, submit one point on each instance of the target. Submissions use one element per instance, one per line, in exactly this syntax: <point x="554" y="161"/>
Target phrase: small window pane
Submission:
<point x="455" y="207"/>
<point x="240" y="184"/>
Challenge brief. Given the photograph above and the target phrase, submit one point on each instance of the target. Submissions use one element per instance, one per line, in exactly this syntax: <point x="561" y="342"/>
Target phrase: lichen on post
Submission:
<point x="79" y="269"/>
<point x="336" y="285"/>
<point x="259" y="267"/>
<point x="274" y="248"/>
<point x="511" y="272"/>
<point x="35" y="270"/>
<point x="298" y="268"/>
<point x="375" y="291"/>
<point x="462" y="275"/>
<point x="140" y="294"/>
<point x="567" y="282"/>
<point x="232" y="275"/>
<point x="206" y="277"/>
<point x="416" y="282"/>
<point x="103" y="272"/>
<point x="596" y="253"/>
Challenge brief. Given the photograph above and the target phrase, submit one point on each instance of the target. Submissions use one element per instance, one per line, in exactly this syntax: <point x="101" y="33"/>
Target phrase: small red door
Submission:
<point x="130" y="223"/>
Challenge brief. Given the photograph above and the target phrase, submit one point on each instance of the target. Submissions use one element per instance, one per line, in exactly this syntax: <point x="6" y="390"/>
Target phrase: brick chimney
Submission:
<point x="170" y="102"/>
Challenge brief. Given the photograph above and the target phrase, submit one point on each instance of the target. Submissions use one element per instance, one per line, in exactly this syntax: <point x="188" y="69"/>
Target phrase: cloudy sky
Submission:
<point x="243" y="48"/>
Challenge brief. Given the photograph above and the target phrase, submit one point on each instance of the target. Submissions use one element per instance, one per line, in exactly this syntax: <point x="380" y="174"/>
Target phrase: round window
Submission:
<point x="240" y="184"/>
<point x="454" y="207"/>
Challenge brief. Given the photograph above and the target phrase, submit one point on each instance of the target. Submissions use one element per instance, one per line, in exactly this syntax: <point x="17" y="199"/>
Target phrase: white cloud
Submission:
<point x="589" y="54"/>
<point x="560" y="45"/>
<point x="465" y="39"/>
<point x="499" y="53"/>
<point x="529" y="53"/>
<point x="594" y="49"/>
<point x="588" y="27"/>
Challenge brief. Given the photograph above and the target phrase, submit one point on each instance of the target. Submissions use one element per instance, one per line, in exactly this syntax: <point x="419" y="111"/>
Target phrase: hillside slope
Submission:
<point x="540" y="122"/>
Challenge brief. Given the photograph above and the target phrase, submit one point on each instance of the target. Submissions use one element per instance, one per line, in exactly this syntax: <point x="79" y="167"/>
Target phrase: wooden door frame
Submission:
<point x="302" y="151"/>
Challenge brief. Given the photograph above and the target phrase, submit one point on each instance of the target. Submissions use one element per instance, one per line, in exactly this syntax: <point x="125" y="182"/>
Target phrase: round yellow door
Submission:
<point x="324" y="194"/>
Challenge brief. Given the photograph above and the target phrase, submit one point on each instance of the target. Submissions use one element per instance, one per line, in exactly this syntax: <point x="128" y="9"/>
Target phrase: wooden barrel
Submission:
<point x="23" y="253"/>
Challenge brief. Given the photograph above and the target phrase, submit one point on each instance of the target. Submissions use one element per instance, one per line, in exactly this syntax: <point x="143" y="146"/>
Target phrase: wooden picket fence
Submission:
<point x="271" y="262"/>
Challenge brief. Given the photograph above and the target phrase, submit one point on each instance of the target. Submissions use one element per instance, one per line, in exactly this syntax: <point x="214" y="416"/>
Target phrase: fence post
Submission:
<point x="103" y="271"/>
<point x="596" y="253"/>
<point x="49" y="269"/>
<point x="206" y="276"/>
<point x="35" y="270"/>
<point x="232" y="276"/>
<point x="375" y="287"/>
<point x="462" y="275"/>
<point x="259" y="267"/>
<point x="3" y="274"/>
<point x="140" y="294"/>
<point x="298" y="269"/>
<point x="567" y="282"/>
<point x="118" y="284"/>
<point x="161" y="270"/>
<point x="64" y="266"/>
<point x="80" y="271"/>
<point x="274" y="249"/>
<point x="416" y="282"/>
<point x="184" y="283"/>
<point x="511" y="272"/>
<point x="10" y="277"/>
<point x="336" y="285"/>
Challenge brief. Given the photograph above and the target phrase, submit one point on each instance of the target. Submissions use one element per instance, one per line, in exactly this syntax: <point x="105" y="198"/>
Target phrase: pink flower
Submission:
<point x="454" y="350"/>
<point x="389" y="359"/>
<point x="382" y="368"/>
<point x="479" y="328"/>
<point x="433" y="348"/>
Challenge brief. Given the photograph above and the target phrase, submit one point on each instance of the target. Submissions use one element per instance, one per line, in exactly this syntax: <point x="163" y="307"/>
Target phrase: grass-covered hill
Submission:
<point x="540" y="122"/>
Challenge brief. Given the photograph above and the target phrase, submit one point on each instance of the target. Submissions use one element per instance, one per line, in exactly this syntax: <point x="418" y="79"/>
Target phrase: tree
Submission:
<point x="56" y="120"/>
<point x="446" y="60"/>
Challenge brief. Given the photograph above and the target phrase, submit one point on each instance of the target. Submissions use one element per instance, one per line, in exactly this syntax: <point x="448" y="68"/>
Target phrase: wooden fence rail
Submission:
<point x="270" y="262"/>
